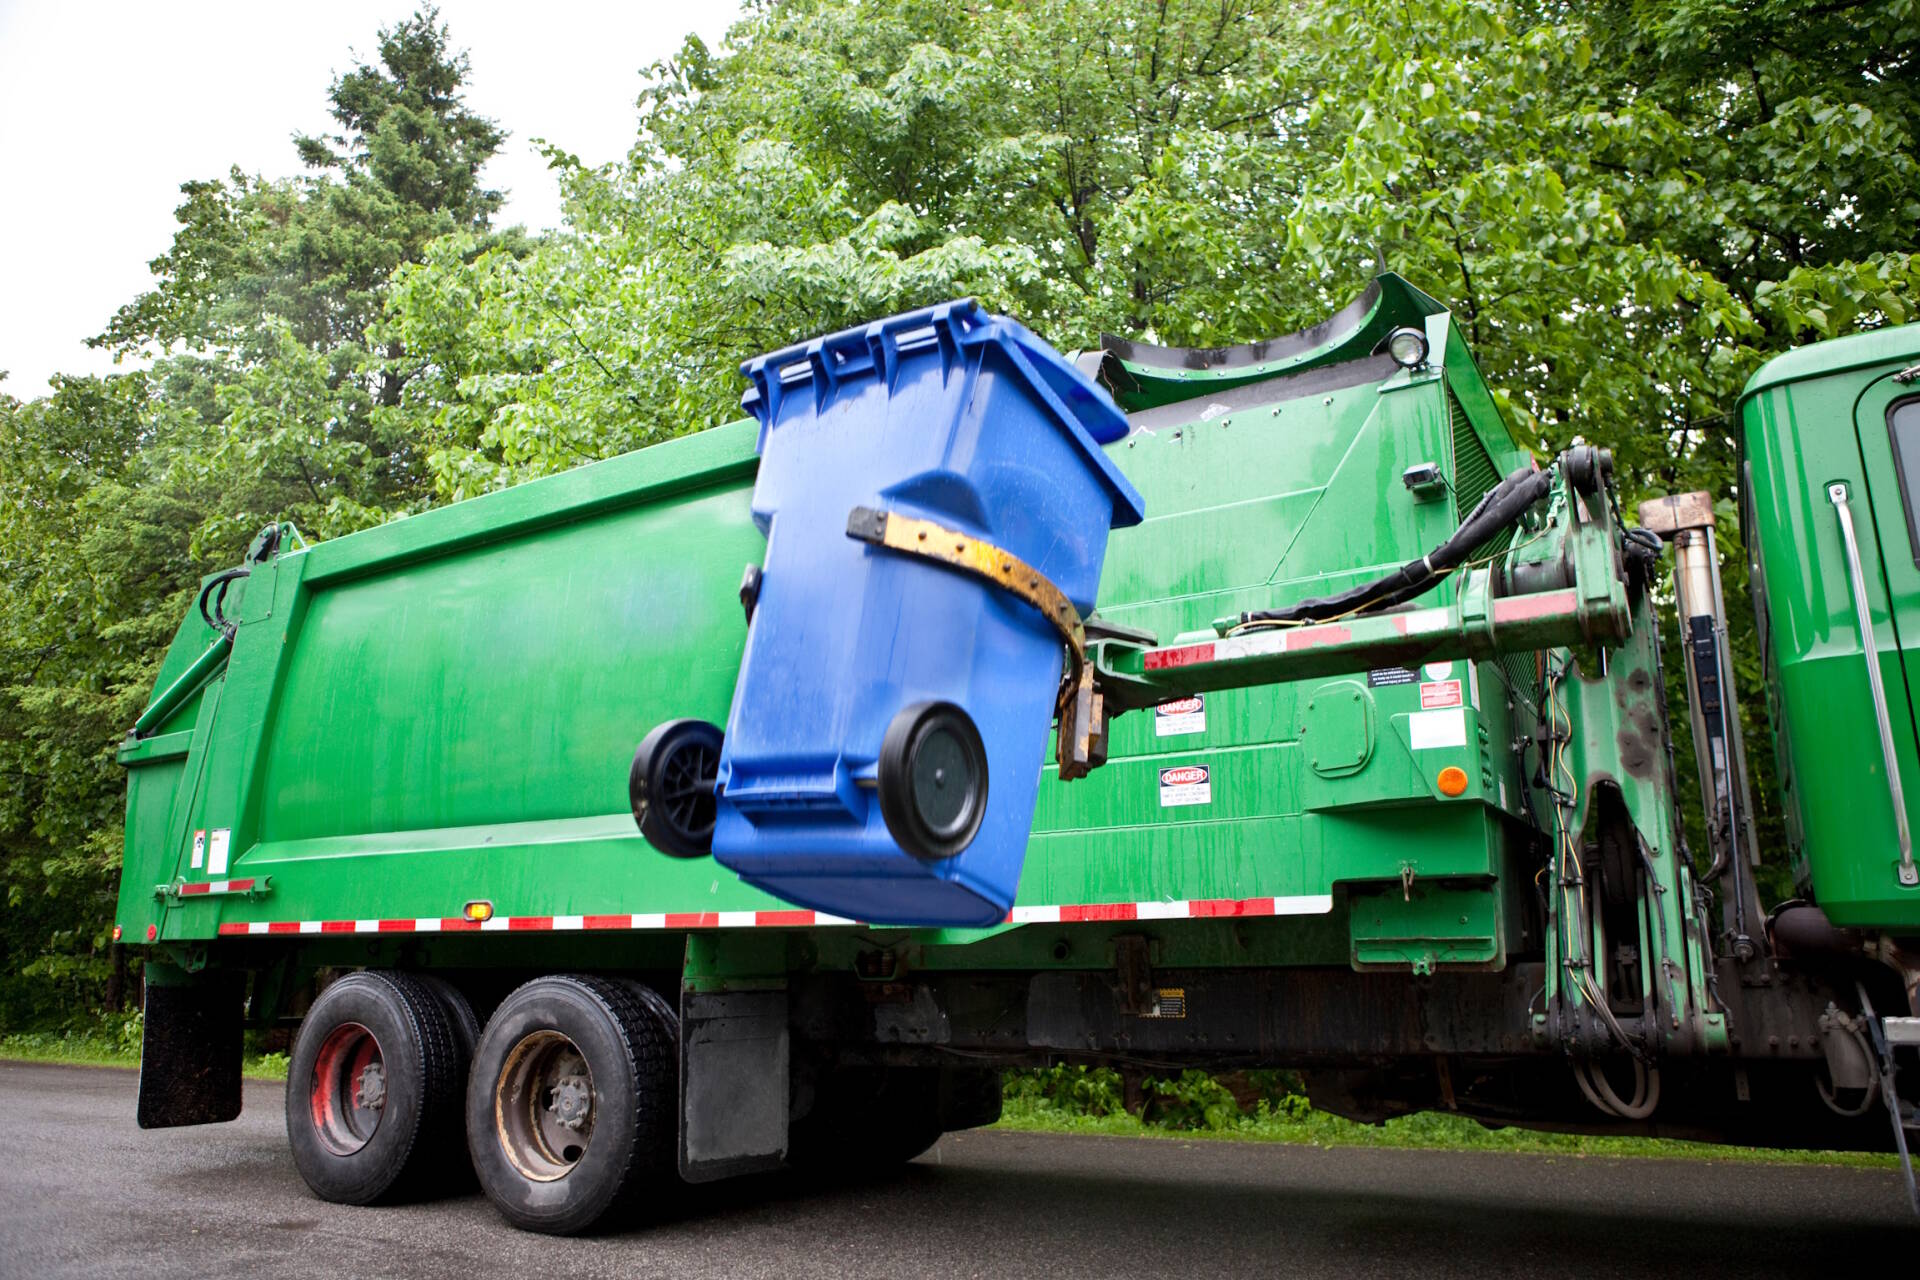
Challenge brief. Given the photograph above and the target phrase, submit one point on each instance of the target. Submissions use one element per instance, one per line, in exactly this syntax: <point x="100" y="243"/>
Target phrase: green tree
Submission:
<point x="263" y="403"/>
<point x="1629" y="208"/>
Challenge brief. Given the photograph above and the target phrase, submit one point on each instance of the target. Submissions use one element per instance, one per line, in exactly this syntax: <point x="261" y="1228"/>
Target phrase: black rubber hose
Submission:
<point x="221" y="581"/>
<point x="1503" y="504"/>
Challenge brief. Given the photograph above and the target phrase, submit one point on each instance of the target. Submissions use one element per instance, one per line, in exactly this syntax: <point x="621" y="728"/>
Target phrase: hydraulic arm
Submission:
<point x="1628" y="955"/>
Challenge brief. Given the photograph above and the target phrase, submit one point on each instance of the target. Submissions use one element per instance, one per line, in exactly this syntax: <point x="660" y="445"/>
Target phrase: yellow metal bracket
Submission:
<point x="1079" y="706"/>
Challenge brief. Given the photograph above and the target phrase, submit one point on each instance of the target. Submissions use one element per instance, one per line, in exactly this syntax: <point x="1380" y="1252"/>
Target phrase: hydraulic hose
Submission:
<point x="216" y="592"/>
<point x="1646" y="1090"/>
<point x="1503" y="504"/>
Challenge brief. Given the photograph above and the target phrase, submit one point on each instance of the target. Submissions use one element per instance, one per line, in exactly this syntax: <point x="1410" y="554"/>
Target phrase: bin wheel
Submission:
<point x="374" y="1091"/>
<point x="671" y="787"/>
<point x="933" y="780"/>
<point x="572" y="1112"/>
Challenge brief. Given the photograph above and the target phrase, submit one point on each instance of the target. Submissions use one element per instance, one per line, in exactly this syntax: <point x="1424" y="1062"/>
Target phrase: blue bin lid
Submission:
<point x="1081" y="405"/>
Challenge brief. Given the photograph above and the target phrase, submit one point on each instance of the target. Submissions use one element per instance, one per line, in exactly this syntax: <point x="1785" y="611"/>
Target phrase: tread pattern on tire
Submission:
<point x="651" y="1051"/>
<point x="648" y="1035"/>
<point x="418" y="1167"/>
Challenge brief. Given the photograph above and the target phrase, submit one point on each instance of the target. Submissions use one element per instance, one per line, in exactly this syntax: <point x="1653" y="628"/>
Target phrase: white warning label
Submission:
<point x="199" y="848"/>
<point x="1182" y="715"/>
<point x="1185" y="784"/>
<point x="1436" y="694"/>
<point x="217" y="851"/>
<point x="1428" y="730"/>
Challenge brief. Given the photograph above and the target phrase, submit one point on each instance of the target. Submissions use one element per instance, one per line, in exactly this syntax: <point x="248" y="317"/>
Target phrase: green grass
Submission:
<point x="1428" y="1130"/>
<point x="111" y="1046"/>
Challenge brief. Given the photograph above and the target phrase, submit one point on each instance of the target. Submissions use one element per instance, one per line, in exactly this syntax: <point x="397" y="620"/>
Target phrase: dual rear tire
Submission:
<point x="375" y="1088"/>
<point x="572" y="1111"/>
<point x="565" y="1106"/>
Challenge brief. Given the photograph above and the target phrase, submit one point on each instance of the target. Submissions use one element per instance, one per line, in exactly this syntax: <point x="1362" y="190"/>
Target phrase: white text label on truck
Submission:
<point x="1182" y="715"/>
<point x="1185" y="784"/>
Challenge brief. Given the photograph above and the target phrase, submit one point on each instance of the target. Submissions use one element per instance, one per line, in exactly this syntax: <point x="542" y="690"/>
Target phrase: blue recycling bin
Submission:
<point x="868" y="671"/>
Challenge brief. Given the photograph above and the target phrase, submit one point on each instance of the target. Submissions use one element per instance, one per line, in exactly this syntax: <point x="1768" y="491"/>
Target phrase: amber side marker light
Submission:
<point x="478" y="912"/>
<point x="116" y="933"/>
<point x="1452" y="780"/>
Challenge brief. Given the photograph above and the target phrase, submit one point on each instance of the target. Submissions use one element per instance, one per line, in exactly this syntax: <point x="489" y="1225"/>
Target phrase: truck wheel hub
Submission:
<point x="370" y="1092"/>
<point x="572" y="1103"/>
<point x="543" y="1106"/>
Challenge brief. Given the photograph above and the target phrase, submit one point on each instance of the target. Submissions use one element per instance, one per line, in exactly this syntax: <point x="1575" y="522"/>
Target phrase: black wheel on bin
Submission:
<point x="374" y="1091"/>
<point x="572" y="1110"/>
<point x="671" y="787"/>
<point x="933" y="779"/>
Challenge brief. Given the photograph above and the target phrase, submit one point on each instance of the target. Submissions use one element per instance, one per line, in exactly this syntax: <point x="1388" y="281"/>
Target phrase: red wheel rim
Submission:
<point x="348" y="1092"/>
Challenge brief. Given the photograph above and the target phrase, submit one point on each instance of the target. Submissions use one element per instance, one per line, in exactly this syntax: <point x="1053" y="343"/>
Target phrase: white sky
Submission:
<point x="107" y="106"/>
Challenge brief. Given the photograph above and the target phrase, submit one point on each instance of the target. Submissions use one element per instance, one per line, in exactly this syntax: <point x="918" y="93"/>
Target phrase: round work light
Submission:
<point x="1408" y="347"/>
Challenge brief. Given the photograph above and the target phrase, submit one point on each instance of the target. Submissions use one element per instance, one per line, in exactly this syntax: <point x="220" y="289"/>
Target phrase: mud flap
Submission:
<point x="190" y="1048"/>
<point x="734" y="1083"/>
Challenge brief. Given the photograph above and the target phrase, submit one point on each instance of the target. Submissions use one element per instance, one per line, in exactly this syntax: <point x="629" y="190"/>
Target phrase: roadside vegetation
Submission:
<point x="1270" y="1106"/>
<point x="113" y="1040"/>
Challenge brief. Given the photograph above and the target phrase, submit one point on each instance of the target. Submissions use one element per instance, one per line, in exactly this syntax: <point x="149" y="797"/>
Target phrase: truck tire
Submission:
<point x="461" y="1019"/>
<point x="572" y="1110"/>
<point x="865" y="1120"/>
<point x="373" y="1091"/>
<point x="969" y="1097"/>
<point x="465" y="1026"/>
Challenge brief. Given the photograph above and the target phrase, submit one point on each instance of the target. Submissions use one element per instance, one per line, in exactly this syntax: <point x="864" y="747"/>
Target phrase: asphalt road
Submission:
<point x="85" y="1193"/>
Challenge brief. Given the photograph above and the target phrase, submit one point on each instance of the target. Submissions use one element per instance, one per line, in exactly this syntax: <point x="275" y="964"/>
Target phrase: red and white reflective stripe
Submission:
<point x="1194" y="909"/>
<point x="1306" y="904"/>
<point x="1266" y="641"/>
<point x="215" y="886"/>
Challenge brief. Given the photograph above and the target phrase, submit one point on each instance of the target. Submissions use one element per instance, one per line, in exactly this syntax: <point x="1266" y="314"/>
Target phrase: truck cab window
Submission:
<point x="1903" y="424"/>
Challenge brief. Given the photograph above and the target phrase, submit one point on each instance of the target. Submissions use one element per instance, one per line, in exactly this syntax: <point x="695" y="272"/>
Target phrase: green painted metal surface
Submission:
<point x="1810" y="419"/>
<point x="443" y="709"/>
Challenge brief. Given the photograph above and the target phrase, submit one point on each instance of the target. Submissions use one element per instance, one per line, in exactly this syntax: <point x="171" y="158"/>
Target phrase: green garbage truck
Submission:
<point x="1362" y="765"/>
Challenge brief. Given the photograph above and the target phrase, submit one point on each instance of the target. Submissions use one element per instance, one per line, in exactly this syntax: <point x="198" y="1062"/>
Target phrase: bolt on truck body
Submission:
<point x="1361" y="765"/>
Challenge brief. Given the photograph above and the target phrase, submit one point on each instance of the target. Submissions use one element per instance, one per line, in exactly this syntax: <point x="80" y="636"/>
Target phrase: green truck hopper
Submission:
<point x="1425" y="848"/>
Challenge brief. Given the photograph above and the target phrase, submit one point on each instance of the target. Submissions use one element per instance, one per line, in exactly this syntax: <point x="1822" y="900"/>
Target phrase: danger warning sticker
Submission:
<point x="1438" y="694"/>
<point x="199" y="848"/>
<point x="1185" y="784"/>
<point x="1182" y="715"/>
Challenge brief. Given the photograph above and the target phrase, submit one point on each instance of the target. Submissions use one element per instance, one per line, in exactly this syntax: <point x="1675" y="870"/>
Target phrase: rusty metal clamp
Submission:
<point x="1079" y="707"/>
